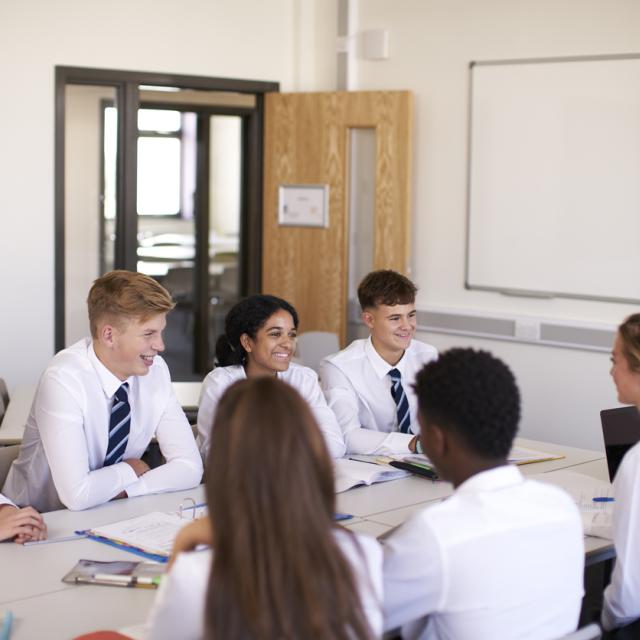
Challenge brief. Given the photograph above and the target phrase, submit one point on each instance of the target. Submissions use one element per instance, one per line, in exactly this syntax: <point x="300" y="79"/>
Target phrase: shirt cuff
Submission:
<point x="138" y="488"/>
<point x="397" y="442"/>
<point x="127" y="475"/>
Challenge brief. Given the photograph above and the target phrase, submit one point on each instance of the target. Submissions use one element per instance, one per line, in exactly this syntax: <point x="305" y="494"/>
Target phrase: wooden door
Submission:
<point x="307" y="142"/>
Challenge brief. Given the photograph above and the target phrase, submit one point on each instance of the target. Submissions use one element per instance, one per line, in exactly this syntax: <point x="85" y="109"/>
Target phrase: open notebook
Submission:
<point x="351" y="473"/>
<point x="150" y="536"/>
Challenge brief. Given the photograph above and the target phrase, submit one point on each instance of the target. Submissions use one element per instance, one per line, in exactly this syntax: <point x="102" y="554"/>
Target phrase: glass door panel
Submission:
<point x="166" y="231"/>
<point x="225" y="203"/>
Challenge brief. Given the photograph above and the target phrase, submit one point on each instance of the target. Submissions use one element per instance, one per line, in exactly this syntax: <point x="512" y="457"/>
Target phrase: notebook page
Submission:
<point x="154" y="532"/>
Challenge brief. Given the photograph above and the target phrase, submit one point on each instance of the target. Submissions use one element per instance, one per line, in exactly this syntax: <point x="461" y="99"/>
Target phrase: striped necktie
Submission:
<point x="400" y="398"/>
<point x="119" y="425"/>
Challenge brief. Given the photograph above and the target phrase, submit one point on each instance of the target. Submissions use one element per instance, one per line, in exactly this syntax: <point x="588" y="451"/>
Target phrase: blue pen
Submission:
<point x="604" y="499"/>
<point x="5" y="631"/>
<point x="195" y="506"/>
<point x="342" y="516"/>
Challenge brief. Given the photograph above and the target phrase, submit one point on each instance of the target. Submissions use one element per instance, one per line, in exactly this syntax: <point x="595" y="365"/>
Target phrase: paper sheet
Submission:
<point x="596" y="516"/>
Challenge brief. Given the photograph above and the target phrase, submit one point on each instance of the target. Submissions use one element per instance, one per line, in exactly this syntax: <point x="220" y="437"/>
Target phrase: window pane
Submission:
<point x="159" y="120"/>
<point x="158" y="176"/>
<point x="110" y="158"/>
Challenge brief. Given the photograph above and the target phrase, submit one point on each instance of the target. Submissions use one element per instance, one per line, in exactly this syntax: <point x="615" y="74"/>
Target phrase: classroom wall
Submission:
<point x="431" y="44"/>
<point x="83" y="207"/>
<point x="289" y="41"/>
<point x="293" y="42"/>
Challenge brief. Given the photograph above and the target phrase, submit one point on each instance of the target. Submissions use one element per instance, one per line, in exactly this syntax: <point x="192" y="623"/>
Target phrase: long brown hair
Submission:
<point x="629" y="332"/>
<point x="277" y="572"/>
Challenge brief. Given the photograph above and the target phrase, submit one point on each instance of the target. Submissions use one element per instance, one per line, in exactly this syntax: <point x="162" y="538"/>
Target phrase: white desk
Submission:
<point x="15" y="418"/>
<point x="38" y="569"/>
<point x="188" y="394"/>
<point x="30" y="577"/>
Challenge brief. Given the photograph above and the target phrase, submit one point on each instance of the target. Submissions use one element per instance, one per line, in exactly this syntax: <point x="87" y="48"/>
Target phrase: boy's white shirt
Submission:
<point x="357" y="386"/>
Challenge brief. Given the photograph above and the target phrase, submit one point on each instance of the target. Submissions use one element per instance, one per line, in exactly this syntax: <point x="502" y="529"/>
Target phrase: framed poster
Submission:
<point x="303" y="205"/>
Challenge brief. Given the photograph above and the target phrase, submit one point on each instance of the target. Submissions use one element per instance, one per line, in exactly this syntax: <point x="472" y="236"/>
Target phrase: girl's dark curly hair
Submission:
<point x="247" y="316"/>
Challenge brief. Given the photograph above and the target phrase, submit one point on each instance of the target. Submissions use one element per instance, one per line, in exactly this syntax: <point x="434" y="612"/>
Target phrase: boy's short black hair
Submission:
<point x="473" y="394"/>
<point x="385" y="287"/>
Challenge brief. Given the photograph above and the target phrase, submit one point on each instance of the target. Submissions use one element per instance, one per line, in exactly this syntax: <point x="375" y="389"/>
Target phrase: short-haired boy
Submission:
<point x="369" y="385"/>
<point x="100" y="402"/>
<point x="503" y="556"/>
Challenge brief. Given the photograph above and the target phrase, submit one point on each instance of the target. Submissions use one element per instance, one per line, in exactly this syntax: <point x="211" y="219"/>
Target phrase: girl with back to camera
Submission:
<point x="260" y="340"/>
<point x="279" y="568"/>
<point x="622" y="596"/>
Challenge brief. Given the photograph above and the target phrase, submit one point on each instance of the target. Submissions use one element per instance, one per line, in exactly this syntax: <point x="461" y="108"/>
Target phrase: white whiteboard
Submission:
<point x="554" y="178"/>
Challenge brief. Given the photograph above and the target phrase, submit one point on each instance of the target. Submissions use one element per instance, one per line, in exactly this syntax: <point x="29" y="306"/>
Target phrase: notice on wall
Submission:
<point x="303" y="205"/>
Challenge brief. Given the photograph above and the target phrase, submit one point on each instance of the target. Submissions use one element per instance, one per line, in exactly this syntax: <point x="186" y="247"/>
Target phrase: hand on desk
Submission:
<point x="189" y="537"/>
<point x="23" y="525"/>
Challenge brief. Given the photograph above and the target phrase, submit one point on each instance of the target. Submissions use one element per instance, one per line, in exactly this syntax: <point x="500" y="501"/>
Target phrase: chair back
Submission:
<point x="313" y="346"/>
<point x="7" y="456"/>
<point x="4" y="398"/>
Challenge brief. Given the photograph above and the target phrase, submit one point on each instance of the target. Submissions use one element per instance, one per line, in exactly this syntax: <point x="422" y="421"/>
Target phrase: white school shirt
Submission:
<point x="622" y="595"/>
<point x="501" y="558"/>
<point x="357" y="386"/>
<point x="5" y="500"/>
<point x="61" y="460"/>
<point x="303" y="379"/>
<point x="179" y="608"/>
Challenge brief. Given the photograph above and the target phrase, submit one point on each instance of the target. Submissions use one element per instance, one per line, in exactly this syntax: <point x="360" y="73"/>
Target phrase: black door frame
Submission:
<point x="127" y="103"/>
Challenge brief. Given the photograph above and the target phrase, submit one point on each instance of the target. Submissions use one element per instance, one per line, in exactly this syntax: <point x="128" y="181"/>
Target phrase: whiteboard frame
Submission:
<point x="526" y="293"/>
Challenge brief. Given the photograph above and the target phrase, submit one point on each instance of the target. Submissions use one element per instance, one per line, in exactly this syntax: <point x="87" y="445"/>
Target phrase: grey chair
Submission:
<point x="4" y="398"/>
<point x="4" y="393"/>
<point x="7" y="456"/>
<point x="590" y="632"/>
<point x="313" y="346"/>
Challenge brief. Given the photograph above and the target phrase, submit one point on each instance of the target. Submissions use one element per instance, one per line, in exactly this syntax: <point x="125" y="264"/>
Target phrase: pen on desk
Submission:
<point x="337" y="516"/>
<point x="5" y="630"/>
<point x="112" y="579"/>
<point x="361" y="459"/>
<point x="604" y="499"/>
<point x="60" y="539"/>
<point x="195" y="506"/>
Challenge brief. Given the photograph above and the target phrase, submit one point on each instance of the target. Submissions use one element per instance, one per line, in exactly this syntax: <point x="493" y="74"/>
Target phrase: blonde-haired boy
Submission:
<point x="99" y="403"/>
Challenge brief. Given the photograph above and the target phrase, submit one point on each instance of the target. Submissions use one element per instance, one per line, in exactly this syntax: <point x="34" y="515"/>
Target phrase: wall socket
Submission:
<point x="527" y="329"/>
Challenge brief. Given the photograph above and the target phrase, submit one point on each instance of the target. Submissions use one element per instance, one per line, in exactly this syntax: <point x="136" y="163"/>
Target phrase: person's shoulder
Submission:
<point x="627" y="476"/>
<point x="70" y="362"/>
<point x="631" y="460"/>
<point x="353" y="352"/>
<point x="422" y="350"/>
<point x="352" y="542"/>
<point x="220" y="375"/>
<point x="75" y="354"/>
<point x="193" y="562"/>
<point x="554" y="501"/>
<point x="298" y="372"/>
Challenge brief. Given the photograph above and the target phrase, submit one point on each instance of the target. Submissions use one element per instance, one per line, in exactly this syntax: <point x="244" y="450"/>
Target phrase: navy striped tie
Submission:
<point x="402" y="403"/>
<point x="119" y="425"/>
